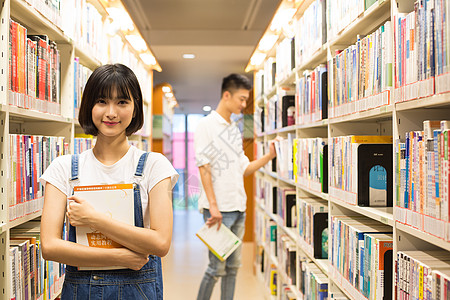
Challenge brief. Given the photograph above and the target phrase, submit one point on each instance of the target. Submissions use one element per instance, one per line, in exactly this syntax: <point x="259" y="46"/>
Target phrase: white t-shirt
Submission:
<point x="219" y="144"/>
<point x="91" y="172"/>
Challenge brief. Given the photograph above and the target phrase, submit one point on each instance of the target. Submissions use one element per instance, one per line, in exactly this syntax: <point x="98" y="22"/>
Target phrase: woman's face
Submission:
<point x="112" y="116"/>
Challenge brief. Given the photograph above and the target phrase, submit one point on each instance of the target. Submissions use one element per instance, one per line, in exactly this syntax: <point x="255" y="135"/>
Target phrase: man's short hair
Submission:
<point x="234" y="82"/>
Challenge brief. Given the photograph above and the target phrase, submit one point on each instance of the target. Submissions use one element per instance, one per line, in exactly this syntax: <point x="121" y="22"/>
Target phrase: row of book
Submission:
<point x="278" y="112"/>
<point x="31" y="276"/>
<point x="341" y="13"/>
<point x="86" y="27"/>
<point x="422" y="176"/>
<point x="361" y="253"/>
<point x="29" y="157"/>
<point x="310" y="32"/>
<point x="285" y="59"/>
<point x="311" y="102"/>
<point x="313" y="283"/>
<point x="361" y="74"/>
<point x="34" y="68"/>
<point x="310" y="161"/>
<point x="49" y="9"/>
<point x="313" y="226"/>
<point x="422" y="275"/>
<point x="80" y="75"/>
<point x="360" y="170"/>
<point x="82" y="144"/>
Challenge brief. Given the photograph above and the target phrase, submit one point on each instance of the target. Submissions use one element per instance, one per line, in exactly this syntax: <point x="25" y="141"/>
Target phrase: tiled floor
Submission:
<point x="186" y="262"/>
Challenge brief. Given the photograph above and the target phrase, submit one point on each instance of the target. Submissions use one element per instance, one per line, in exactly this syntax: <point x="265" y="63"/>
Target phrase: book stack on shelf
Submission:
<point x="47" y="55"/>
<point x="376" y="163"/>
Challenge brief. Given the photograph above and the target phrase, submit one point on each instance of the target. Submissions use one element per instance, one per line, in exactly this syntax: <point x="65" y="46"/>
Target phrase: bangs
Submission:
<point x="113" y="86"/>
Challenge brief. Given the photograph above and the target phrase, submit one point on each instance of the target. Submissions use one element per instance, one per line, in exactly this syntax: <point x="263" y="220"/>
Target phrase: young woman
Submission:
<point x="111" y="109"/>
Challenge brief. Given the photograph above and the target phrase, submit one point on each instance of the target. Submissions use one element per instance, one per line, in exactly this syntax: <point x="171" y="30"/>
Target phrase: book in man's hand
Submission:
<point x="115" y="200"/>
<point x="221" y="243"/>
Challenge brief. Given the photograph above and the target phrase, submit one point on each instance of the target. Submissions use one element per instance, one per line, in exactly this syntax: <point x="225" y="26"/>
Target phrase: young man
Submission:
<point x="222" y="165"/>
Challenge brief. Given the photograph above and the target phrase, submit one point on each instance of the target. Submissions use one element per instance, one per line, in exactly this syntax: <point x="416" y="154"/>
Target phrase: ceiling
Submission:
<point x="221" y="33"/>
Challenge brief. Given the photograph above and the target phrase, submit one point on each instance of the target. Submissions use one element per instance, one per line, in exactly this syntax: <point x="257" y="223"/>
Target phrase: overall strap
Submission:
<point x="141" y="165"/>
<point x="138" y="216"/>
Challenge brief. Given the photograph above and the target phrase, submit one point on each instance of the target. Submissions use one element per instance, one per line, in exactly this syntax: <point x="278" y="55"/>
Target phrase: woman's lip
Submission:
<point x="110" y="123"/>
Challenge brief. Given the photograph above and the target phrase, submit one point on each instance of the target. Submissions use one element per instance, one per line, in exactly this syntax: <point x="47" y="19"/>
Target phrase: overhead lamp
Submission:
<point x="121" y="17"/>
<point x="267" y="42"/>
<point x="148" y="59"/>
<point x="136" y="42"/>
<point x="206" y="108"/>
<point x="281" y="18"/>
<point x="257" y="58"/>
<point x="188" y="56"/>
<point x="166" y="89"/>
<point x="169" y="95"/>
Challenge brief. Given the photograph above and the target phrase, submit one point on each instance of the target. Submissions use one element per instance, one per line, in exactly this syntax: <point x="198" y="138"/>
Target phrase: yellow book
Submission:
<point x="371" y="139"/>
<point x="221" y="243"/>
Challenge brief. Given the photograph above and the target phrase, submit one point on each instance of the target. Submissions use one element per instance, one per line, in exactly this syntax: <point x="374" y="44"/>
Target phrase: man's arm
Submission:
<point x="206" y="178"/>
<point x="258" y="163"/>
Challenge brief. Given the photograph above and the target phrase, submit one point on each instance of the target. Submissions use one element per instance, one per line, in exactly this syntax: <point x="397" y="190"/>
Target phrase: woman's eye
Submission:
<point x="101" y="101"/>
<point x="123" y="102"/>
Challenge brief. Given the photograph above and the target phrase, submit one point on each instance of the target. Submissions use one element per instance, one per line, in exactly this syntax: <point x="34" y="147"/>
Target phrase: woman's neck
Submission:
<point x="108" y="151"/>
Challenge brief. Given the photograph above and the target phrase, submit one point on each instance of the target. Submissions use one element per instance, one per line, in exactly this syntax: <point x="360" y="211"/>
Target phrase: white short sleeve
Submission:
<point x="158" y="168"/>
<point x="58" y="174"/>
<point x="244" y="161"/>
<point x="201" y="142"/>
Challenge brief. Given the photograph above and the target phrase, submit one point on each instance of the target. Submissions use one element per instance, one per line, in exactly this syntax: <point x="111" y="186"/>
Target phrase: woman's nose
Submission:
<point x="111" y="111"/>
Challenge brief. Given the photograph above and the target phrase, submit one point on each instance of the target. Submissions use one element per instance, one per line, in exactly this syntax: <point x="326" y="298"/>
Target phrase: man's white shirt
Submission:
<point x="219" y="144"/>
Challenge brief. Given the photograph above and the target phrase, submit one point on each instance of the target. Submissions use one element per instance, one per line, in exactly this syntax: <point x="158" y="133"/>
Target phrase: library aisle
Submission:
<point x="184" y="265"/>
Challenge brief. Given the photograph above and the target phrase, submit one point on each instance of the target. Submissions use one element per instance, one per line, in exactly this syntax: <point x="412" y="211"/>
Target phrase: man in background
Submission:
<point x="222" y="166"/>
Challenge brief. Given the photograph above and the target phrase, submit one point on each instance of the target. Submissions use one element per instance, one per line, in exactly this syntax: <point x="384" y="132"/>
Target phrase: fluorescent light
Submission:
<point x="267" y="42"/>
<point x="148" y="59"/>
<point x="136" y="42"/>
<point x="281" y="18"/>
<point x="166" y="89"/>
<point x="257" y="59"/>
<point x="121" y="17"/>
<point x="206" y="108"/>
<point x="188" y="56"/>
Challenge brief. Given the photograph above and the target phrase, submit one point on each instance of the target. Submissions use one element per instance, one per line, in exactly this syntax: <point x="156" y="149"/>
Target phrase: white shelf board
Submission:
<point x="366" y="23"/>
<point x="381" y="214"/>
<point x="35" y="22"/>
<point x="316" y="124"/>
<point x="375" y="113"/>
<point x="317" y="58"/>
<point x="423" y="236"/>
<point x="28" y="114"/>
<point x="434" y="101"/>
<point x="345" y="285"/>
<point x="20" y="221"/>
<point x="87" y="58"/>
<point x="289" y="80"/>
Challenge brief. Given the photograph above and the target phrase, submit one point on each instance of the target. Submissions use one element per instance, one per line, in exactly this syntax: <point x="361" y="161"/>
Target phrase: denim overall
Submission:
<point x="115" y="284"/>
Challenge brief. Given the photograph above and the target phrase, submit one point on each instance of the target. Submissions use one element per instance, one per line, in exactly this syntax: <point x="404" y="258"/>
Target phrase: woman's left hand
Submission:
<point x="80" y="212"/>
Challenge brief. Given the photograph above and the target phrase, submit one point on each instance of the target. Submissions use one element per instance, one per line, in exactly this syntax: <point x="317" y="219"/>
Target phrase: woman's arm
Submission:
<point x="155" y="240"/>
<point x="56" y="249"/>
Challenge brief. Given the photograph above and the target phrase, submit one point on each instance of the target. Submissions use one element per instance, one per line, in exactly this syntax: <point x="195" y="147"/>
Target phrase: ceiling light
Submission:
<point x="257" y="59"/>
<point x="166" y="89"/>
<point x="148" y="59"/>
<point x="188" y="56"/>
<point x="267" y="42"/>
<point x="121" y="16"/>
<point x="206" y="108"/>
<point x="168" y="95"/>
<point x="136" y="42"/>
<point x="281" y="18"/>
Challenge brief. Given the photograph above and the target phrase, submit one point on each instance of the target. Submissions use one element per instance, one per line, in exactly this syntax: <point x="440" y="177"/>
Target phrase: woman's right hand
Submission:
<point x="133" y="260"/>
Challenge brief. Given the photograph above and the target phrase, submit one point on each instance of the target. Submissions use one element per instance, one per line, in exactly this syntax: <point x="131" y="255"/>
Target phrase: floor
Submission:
<point x="184" y="265"/>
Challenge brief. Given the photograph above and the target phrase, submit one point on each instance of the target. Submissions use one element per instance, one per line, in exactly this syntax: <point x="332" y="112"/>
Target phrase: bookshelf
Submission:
<point x="394" y="101"/>
<point x="45" y="127"/>
<point x="164" y="103"/>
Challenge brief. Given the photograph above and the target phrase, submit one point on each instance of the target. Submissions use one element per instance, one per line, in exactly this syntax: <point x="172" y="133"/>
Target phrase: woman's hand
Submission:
<point x="132" y="260"/>
<point x="80" y="212"/>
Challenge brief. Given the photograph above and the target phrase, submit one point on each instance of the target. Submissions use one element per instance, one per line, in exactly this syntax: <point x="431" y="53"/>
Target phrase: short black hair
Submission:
<point x="107" y="81"/>
<point x="234" y="82"/>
